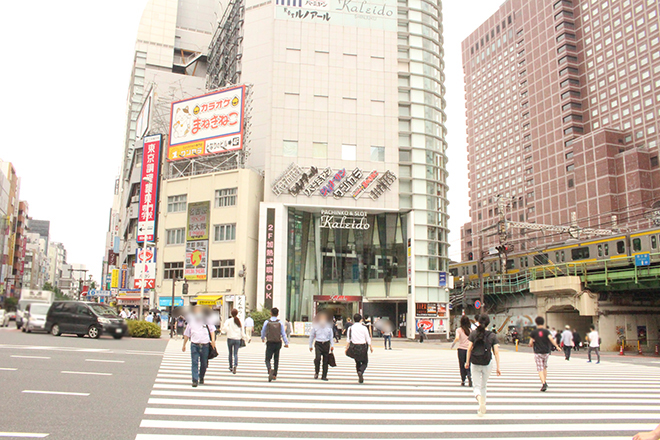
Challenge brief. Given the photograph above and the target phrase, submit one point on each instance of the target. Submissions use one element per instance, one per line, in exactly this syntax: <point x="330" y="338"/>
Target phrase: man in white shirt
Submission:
<point x="594" y="343"/>
<point x="124" y="314"/>
<point x="202" y="338"/>
<point x="249" y="328"/>
<point x="149" y="318"/>
<point x="567" y="340"/>
<point x="359" y="337"/>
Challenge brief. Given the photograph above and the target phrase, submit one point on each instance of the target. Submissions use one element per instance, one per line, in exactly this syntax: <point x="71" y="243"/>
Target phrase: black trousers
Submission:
<point x="273" y="352"/>
<point x="567" y="351"/>
<point x="322" y="354"/>
<point x="361" y="366"/>
<point x="462" y="357"/>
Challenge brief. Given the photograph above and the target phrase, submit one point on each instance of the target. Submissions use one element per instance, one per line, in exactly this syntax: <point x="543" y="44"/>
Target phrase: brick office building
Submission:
<point x="563" y="103"/>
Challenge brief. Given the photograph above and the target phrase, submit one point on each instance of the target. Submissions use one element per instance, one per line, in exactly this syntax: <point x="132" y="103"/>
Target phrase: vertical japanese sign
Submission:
<point x="149" y="188"/>
<point x="409" y="262"/>
<point x="270" y="258"/>
<point x="145" y="262"/>
<point x="114" y="281"/>
<point x="196" y="260"/>
<point x="198" y="221"/>
<point x="123" y="277"/>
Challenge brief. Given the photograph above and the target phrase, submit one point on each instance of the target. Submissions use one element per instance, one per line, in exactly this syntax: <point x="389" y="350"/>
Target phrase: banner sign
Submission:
<point x="198" y="221"/>
<point x="312" y="181"/>
<point x="114" y="281"/>
<point x="196" y="260"/>
<point x="270" y="258"/>
<point x="149" y="188"/>
<point x="207" y="124"/>
<point x="430" y="310"/>
<point x="344" y="220"/>
<point x="145" y="262"/>
<point x="123" y="277"/>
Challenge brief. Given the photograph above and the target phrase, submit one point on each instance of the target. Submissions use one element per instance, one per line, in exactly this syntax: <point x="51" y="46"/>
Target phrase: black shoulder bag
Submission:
<point x="213" y="353"/>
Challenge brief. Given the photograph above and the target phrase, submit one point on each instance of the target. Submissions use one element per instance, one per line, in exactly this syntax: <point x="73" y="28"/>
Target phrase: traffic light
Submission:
<point x="185" y="288"/>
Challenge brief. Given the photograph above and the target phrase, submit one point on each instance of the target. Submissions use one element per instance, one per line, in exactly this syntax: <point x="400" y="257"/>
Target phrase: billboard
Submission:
<point x="198" y="221"/>
<point x="196" y="260"/>
<point x="145" y="262"/>
<point x="149" y="188"/>
<point x="372" y="14"/>
<point x="207" y="124"/>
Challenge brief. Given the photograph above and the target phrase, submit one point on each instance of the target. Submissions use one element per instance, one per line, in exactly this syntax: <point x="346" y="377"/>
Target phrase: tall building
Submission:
<point x="56" y="263"/>
<point x="169" y="64"/>
<point x="563" y="109"/>
<point x="9" y="209"/>
<point x="35" y="272"/>
<point x="41" y="227"/>
<point x="346" y="121"/>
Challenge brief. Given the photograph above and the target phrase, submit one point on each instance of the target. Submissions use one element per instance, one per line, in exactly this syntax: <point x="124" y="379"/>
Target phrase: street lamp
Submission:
<point x="144" y="254"/>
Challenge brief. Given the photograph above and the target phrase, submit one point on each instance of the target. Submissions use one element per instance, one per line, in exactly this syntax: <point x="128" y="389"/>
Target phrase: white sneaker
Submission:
<point x="482" y="406"/>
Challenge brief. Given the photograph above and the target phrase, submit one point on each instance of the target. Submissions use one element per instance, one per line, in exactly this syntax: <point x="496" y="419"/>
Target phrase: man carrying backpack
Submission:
<point x="482" y="344"/>
<point x="273" y="333"/>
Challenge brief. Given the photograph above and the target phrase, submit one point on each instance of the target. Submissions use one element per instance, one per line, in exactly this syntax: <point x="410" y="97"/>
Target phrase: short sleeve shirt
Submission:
<point x="542" y="344"/>
<point x="490" y="338"/>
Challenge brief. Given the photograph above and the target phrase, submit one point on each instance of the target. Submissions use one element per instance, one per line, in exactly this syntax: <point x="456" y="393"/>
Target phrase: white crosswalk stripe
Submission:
<point x="408" y="393"/>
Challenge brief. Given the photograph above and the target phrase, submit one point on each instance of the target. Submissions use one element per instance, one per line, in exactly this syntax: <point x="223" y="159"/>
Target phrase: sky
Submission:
<point x="64" y="77"/>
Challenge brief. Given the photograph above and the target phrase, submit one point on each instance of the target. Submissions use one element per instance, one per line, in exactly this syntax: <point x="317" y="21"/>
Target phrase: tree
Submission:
<point x="58" y="293"/>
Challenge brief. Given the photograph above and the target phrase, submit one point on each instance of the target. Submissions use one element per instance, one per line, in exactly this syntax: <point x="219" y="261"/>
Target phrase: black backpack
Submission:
<point x="481" y="350"/>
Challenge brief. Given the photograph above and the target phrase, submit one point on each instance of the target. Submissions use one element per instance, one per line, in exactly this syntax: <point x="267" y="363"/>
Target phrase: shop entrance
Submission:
<point x="338" y="310"/>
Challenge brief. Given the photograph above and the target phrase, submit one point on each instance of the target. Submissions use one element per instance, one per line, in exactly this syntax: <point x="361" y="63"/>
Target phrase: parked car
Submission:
<point x="12" y="315"/>
<point x="84" y="318"/>
<point x="4" y="318"/>
<point x="34" y="317"/>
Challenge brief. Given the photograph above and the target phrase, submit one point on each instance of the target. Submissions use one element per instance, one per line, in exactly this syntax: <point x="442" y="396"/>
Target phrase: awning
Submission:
<point x="209" y="300"/>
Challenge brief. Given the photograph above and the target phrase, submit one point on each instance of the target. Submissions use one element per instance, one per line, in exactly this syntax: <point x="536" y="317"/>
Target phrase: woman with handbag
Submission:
<point x="359" y="345"/>
<point x="235" y="338"/>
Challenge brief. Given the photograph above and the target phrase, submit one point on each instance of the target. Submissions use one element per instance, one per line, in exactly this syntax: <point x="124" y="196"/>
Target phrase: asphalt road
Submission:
<point x="75" y="388"/>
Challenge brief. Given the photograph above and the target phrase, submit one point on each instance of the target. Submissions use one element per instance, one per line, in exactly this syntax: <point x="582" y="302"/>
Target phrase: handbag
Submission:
<point x="213" y="352"/>
<point x="331" y="360"/>
<point x="243" y="344"/>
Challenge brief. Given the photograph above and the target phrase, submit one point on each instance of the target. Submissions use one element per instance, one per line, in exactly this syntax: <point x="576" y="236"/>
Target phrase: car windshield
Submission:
<point x="39" y="309"/>
<point x="102" y="310"/>
<point x="22" y="304"/>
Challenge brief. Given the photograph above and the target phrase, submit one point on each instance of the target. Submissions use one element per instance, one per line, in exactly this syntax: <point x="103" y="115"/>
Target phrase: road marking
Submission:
<point x="89" y="373"/>
<point x="209" y="437"/>
<point x="56" y="393"/>
<point x="8" y="369"/>
<point x="104" y="360"/>
<point x="23" y="434"/>
<point x="29" y="357"/>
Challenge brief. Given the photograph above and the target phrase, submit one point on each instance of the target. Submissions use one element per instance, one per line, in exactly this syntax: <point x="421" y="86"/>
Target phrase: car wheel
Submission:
<point x="80" y="336"/>
<point x="94" y="332"/>
<point x="117" y="336"/>
<point x="55" y="330"/>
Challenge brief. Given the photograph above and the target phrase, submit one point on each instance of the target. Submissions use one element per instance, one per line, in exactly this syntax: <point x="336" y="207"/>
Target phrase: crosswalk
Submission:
<point x="408" y="393"/>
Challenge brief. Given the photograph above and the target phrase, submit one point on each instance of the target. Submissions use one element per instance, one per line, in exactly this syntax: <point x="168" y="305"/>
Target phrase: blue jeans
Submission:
<point x="200" y="360"/>
<point x="233" y="345"/>
<point x="388" y="340"/>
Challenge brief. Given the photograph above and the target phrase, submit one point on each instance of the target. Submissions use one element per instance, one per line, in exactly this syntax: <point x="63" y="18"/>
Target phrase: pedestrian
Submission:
<point x="475" y="324"/>
<point x="340" y="329"/>
<point x="482" y="344"/>
<point x="180" y="325"/>
<point x="149" y="318"/>
<point x="134" y="316"/>
<point x="124" y="314"/>
<point x="202" y="338"/>
<point x="567" y="342"/>
<point x="422" y="332"/>
<point x="156" y="318"/>
<point x="348" y="325"/>
<point x="388" y="330"/>
<point x="358" y="345"/>
<point x="273" y="333"/>
<point x="651" y="435"/>
<point x="577" y="340"/>
<point x="542" y="341"/>
<point x="462" y="338"/>
<point x="249" y="328"/>
<point x="594" y="343"/>
<point x="321" y="339"/>
<point x="235" y="334"/>
<point x="288" y="328"/>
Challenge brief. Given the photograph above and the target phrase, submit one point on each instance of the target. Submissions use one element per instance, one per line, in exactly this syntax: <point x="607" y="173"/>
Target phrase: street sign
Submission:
<point x="477" y="304"/>
<point x="643" y="259"/>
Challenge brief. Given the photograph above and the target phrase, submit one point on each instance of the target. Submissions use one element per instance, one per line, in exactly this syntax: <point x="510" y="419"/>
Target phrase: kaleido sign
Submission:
<point x="344" y="220"/>
<point x="327" y="182"/>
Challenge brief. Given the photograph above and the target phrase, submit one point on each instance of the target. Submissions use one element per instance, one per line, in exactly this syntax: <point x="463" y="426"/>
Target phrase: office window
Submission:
<point x="320" y="150"/>
<point x="224" y="232"/>
<point x="173" y="271"/>
<point x="225" y="197"/>
<point x="378" y="154"/>
<point x="222" y="269"/>
<point x="175" y="236"/>
<point x="177" y="203"/>
<point x="348" y="152"/>
<point x="290" y="148"/>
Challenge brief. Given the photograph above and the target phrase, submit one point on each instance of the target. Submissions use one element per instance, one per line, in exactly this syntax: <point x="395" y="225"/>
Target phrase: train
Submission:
<point x="614" y="251"/>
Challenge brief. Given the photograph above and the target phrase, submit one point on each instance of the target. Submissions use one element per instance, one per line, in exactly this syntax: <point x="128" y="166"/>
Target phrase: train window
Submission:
<point x="563" y="256"/>
<point x="654" y="242"/>
<point x="556" y="257"/>
<point x="580" y="253"/>
<point x="510" y="264"/>
<point x="637" y="244"/>
<point x="474" y="269"/>
<point x="453" y="272"/>
<point x="620" y="247"/>
<point x="607" y="249"/>
<point x="600" y="250"/>
<point x="541" y="259"/>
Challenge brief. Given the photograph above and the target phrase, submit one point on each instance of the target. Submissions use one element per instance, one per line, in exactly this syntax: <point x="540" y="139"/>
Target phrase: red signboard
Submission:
<point x="149" y="188"/>
<point x="148" y="283"/>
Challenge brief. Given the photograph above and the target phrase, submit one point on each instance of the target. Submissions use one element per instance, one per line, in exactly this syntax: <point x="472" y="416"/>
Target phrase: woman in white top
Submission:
<point x="462" y="337"/>
<point x="235" y="334"/>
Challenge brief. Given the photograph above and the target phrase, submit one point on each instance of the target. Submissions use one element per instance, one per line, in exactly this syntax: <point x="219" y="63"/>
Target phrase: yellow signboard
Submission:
<point x="184" y="151"/>
<point x="114" y="281"/>
<point x="209" y="300"/>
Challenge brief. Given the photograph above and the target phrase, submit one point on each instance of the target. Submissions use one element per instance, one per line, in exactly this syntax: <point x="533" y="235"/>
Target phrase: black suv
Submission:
<point x="84" y="318"/>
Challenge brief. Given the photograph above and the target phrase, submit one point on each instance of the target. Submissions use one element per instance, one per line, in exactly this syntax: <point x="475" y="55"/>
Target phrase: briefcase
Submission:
<point x="331" y="360"/>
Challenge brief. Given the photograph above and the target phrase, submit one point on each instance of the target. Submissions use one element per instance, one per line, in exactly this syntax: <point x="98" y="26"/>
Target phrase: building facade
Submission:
<point x="562" y="111"/>
<point x="9" y="207"/>
<point x="56" y="262"/>
<point x="347" y="122"/>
